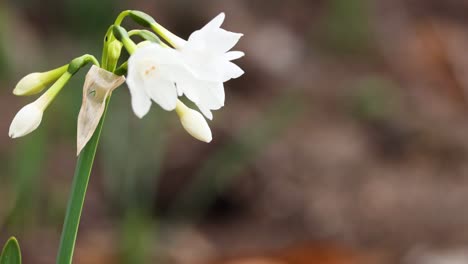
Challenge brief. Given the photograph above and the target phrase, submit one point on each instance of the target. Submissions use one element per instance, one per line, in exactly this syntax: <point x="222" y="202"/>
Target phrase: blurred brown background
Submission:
<point x="346" y="141"/>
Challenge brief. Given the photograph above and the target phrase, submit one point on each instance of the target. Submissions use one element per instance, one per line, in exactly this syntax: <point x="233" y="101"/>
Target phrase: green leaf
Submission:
<point x="11" y="253"/>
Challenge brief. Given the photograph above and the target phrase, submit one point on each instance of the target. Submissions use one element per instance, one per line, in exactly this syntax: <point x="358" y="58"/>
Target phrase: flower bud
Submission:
<point x="114" y="50"/>
<point x="34" y="83"/>
<point x="194" y="123"/>
<point x="122" y="35"/>
<point x="26" y="120"/>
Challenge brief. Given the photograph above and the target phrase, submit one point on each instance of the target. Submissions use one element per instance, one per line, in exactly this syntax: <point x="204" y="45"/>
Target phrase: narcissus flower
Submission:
<point x="207" y="57"/>
<point x="197" y="68"/>
<point x="152" y="71"/>
<point x="207" y="52"/>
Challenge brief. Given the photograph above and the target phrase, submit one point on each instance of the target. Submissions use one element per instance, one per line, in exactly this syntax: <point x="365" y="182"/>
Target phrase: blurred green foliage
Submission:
<point x="26" y="167"/>
<point x="3" y="53"/>
<point x="374" y="98"/>
<point x="347" y="27"/>
<point x="90" y="17"/>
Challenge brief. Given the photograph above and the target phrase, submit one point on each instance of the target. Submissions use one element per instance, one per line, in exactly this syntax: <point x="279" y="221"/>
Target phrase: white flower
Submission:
<point x="194" y="123"/>
<point x="198" y="69"/>
<point x="152" y="70"/>
<point x="207" y="54"/>
<point x="207" y="57"/>
<point x="26" y="120"/>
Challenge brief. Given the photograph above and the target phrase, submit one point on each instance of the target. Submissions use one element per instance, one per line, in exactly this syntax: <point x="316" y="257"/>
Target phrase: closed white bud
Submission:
<point x="30" y="84"/>
<point x="26" y="120"/>
<point x="34" y="83"/>
<point x="194" y="123"/>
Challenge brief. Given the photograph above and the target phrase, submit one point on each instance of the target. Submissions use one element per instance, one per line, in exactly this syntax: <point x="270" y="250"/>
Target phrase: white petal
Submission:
<point x="234" y="55"/>
<point x="215" y="41"/>
<point x="215" y="22"/>
<point x="206" y="112"/>
<point x="202" y="66"/>
<point x="221" y="41"/>
<point x="150" y="70"/>
<point x="163" y="92"/>
<point x="207" y="93"/>
<point x="141" y="102"/>
<point x="231" y="71"/>
<point x="156" y="53"/>
<point x="217" y="89"/>
<point x="187" y="85"/>
<point x="211" y="98"/>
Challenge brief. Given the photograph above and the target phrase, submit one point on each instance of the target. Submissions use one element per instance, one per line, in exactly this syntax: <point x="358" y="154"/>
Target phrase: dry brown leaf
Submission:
<point x="98" y="85"/>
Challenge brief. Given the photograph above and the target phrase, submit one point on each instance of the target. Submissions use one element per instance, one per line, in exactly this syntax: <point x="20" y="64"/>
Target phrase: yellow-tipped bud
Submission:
<point x="26" y="120"/>
<point x="193" y="122"/>
<point x="34" y="83"/>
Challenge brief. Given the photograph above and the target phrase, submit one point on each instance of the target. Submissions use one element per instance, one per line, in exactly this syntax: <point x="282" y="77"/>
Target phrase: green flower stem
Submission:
<point x="168" y="36"/>
<point x="145" y="34"/>
<point x="77" y="196"/>
<point x="55" y="73"/>
<point x="80" y="184"/>
<point x="147" y="21"/>
<point x="76" y="64"/>
<point x="129" y="45"/>
<point x="121" y="17"/>
<point x="122" y="69"/>
<point x="121" y="34"/>
<point x="47" y="97"/>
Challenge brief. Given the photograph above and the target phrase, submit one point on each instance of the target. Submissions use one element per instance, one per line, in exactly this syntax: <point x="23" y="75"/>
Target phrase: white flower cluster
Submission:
<point x="197" y="68"/>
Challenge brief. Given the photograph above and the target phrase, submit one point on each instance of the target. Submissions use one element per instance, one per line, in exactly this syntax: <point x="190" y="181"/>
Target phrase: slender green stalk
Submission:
<point x="77" y="196"/>
<point x="80" y="182"/>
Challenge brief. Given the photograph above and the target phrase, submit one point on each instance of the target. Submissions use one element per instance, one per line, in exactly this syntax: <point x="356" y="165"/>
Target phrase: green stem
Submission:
<point x="121" y="17"/>
<point x="46" y="98"/>
<point x="79" y="187"/>
<point x="77" y="197"/>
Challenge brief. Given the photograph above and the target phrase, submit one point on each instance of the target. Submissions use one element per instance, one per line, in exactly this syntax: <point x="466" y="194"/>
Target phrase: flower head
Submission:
<point x="207" y="52"/>
<point x="152" y="70"/>
<point x="208" y="58"/>
<point x="26" y="120"/>
<point x="197" y="68"/>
